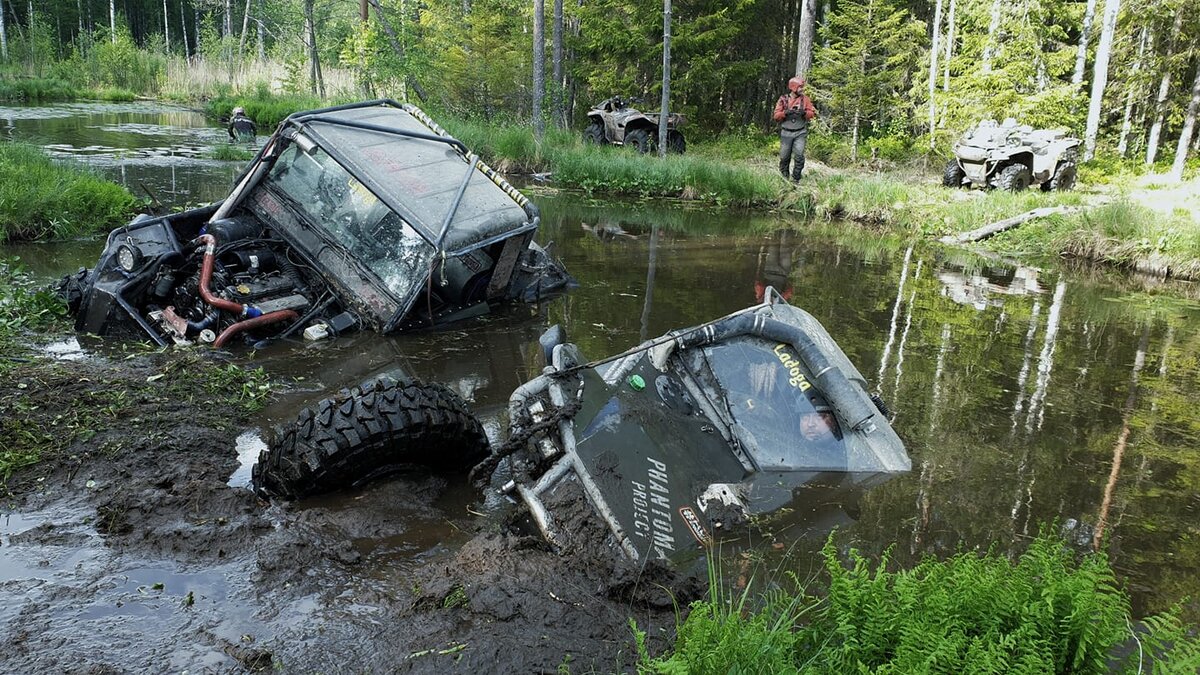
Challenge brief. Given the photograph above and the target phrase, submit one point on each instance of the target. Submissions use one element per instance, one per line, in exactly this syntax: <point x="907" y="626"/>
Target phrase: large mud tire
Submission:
<point x="639" y="140"/>
<point x="1065" y="173"/>
<point x="1013" y="177"/>
<point x="676" y="143"/>
<point x="594" y="134"/>
<point x="953" y="175"/>
<point x="367" y="432"/>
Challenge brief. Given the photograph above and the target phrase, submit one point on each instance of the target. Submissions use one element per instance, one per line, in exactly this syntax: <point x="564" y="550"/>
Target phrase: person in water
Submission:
<point x="242" y="128"/>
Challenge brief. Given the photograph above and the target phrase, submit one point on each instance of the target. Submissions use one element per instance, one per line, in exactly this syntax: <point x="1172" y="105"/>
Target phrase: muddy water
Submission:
<point x="1026" y="398"/>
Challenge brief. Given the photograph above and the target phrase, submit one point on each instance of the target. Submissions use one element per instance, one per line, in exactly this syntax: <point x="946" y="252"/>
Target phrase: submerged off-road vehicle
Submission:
<point x="366" y="215"/>
<point x="613" y="121"/>
<point x="666" y="447"/>
<point x="1012" y="157"/>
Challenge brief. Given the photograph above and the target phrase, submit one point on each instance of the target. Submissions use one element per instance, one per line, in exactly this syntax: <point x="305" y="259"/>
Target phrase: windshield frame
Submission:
<point x="324" y="227"/>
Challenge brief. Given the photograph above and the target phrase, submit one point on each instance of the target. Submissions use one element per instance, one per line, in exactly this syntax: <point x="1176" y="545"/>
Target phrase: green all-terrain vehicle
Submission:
<point x="614" y="122"/>
<point x="361" y="216"/>
<point x="1012" y="157"/>
<point x="662" y="449"/>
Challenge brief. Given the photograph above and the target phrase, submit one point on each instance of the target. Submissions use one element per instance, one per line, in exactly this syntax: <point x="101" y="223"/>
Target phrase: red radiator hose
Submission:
<point x="268" y="318"/>
<point x="206" y="274"/>
<point x="256" y="319"/>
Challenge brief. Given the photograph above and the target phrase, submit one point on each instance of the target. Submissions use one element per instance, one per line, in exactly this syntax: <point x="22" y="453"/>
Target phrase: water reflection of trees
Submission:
<point x="1011" y="412"/>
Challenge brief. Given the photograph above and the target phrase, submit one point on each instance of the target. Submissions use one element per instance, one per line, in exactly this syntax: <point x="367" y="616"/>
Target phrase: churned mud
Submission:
<point x="135" y="545"/>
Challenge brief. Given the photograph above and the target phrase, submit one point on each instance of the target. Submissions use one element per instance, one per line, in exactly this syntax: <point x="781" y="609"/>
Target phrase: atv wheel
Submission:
<point x="676" y="142"/>
<point x="367" y="432"/>
<point x="594" y="134"/>
<point x="1064" y="174"/>
<point x="953" y="176"/>
<point x="639" y="140"/>
<point x="1014" y="178"/>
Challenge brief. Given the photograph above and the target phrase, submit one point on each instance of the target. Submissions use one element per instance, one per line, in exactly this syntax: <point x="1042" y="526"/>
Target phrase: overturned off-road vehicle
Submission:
<point x="1012" y="157"/>
<point x="614" y="122"/>
<point x="663" y="449"/>
<point x="362" y="216"/>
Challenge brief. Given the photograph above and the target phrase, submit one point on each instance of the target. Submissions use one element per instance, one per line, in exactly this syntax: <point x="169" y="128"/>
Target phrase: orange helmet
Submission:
<point x="796" y="84"/>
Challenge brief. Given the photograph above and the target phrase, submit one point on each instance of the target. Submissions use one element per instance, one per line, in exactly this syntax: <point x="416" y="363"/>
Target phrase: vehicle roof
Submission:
<point x="419" y="178"/>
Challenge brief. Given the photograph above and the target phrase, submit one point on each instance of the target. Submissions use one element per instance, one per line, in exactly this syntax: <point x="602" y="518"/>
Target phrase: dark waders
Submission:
<point x="791" y="144"/>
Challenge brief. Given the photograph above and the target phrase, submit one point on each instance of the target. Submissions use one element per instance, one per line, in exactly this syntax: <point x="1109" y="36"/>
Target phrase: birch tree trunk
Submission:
<point x="1189" y="126"/>
<point x="949" y="46"/>
<point x="1081" y="55"/>
<point x="556" y="40"/>
<point x="1100" y="76"/>
<point x="166" y="27"/>
<point x="3" y="35"/>
<point x="1127" y="120"/>
<point x="933" y="55"/>
<point x="1164" y="88"/>
<point x="804" y="37"/>
<point x="112" y="21"/>
<point x="228" y="25"/>
<point x="245" y="27"/>
<point x="666" y="81"/>
<point x="262" y="38"/>
<point x="539" y="67"/>
<point x="989" y="45"/>
<point x="196" y="28"/>
<point x="183" y="30"/>
<point x="79" y="11"/>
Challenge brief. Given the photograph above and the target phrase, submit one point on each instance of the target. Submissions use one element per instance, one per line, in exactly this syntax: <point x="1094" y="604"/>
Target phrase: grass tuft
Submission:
<point x="44" y="199"/>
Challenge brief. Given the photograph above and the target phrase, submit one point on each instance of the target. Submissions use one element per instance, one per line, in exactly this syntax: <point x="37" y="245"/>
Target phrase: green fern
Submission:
<point x="1050" y="611"/>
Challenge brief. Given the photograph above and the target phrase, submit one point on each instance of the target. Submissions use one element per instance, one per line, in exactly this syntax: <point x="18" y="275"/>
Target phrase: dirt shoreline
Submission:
<point x="127" y="551"/>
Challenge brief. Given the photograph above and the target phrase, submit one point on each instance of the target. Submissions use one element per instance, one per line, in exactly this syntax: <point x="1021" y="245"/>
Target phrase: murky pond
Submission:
<point x="160" y="152"/>
<point x="1025" y="397"/>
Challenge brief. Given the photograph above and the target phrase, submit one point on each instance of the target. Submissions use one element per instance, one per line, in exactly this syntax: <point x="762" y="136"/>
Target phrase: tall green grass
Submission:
<point x="36" y="89"/>
<point x="44" y="199"/>
<point x="266" y="109"/>
<point x="1049" y="612"/>
<point x="1120" y="233"/>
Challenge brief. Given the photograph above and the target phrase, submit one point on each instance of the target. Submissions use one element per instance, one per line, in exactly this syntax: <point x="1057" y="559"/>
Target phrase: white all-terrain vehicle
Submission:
<point x="1012" y="157"/>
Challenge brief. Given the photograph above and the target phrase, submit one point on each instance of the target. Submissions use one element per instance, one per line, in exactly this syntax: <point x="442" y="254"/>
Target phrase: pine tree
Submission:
<point x="865" y="66"/>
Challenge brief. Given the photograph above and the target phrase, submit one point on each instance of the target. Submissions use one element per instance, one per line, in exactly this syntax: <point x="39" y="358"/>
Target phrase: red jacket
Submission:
<point x="792" y="101"/>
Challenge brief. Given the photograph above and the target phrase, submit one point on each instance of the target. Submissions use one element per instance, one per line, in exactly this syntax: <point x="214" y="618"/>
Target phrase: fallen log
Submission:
<point x="981" y="233"/>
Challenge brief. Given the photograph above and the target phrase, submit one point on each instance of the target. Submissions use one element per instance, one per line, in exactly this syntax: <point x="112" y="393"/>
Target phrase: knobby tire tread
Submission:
<point x="340" y="441"/>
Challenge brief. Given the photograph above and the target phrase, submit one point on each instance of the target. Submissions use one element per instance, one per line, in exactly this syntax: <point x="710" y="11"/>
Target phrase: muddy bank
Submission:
<point x="125" y="549"/>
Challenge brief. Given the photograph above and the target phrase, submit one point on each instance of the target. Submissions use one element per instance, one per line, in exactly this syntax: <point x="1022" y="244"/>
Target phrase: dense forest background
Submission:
<point x="889" y="77"/>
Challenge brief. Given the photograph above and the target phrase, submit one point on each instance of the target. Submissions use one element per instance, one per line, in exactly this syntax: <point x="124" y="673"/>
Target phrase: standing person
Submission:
<point x="241" y="128"/>
<point x="793" y="111"/>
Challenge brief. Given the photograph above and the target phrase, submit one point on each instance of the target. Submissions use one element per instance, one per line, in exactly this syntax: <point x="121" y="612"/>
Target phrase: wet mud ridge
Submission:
<point x="126" y="549"/>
